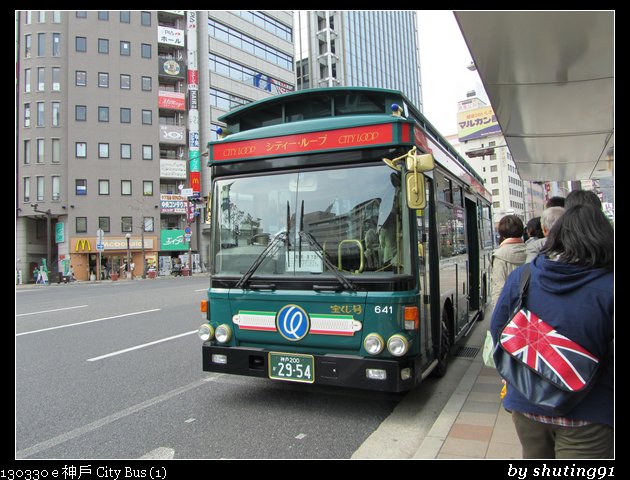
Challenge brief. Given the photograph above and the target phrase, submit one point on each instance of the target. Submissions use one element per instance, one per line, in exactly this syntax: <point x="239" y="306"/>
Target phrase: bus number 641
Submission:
<point x="383" y="309"/>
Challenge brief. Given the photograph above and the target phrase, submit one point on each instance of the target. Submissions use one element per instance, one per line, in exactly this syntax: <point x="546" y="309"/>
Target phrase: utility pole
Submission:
<point x="48" y="232"/>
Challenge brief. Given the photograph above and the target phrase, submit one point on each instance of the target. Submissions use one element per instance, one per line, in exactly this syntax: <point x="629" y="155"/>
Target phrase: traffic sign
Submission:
<point x="100" y="235"/>
<point x="100" y="247"/>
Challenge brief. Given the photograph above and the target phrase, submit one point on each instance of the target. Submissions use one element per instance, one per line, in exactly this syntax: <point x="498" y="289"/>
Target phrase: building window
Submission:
<point x="103" y="80"/>
<point x="493" y="168"/>
<point x="27" y="80"/>
<point x="41" y="79"/>
<point x="125" y="151"/>
<point x="126" y="224"/>
<point x="125" y="48"/>
<point x="27" y="152"/>
<point x="40" y="150"/>
<point x="103" y="15"/>
<point x="145" y="50"/>
<point x="80" y="44"/>
<point x="103" y="187"/>
<point x="103" y="114"/>
<point x="145" y="19"/>
<point x="147" y="117"/>
<point x="41" y="44"/>
<point x="56" y="45"/>
<point x="147" y="188"/>
<point x="80" y="149"/>
<point x="81" y="14"/>
<point x="56" y="113"/>
<point x="26" y="188"/>
<point x="80" y="113"/>
<point x="81" y="224"/>
<point x="56" y="16"/>
<point x="40" y="188"/>
<point x="80" y="186"/>
<point x="56" y="188"/>
<point x="494" y="180"/>
<point x="147" y="152"/>
<point x="125" y="187"/>
<point x="27" y="114"/>
<point x="56" y="79"/>
<point x="80" y="78"/>
<point x="103" y="45"/>
<point x="125" y="115"/>
<point x="56" y="150"/>
<point x="40" y="114"/>
<point x="103" y="150"/>
<point x="103" y="223"/>
<point x="27" y="46"/>
<point x="148" y="224"/>
<point x="125" y="82"/>
<point x="125" y="17"/>
<point x="146" y="84"/>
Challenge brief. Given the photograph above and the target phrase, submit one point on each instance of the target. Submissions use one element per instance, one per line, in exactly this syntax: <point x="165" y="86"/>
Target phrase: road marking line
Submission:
<point x="161" y="453"/>
<point x="48" y="311"/>
<point x="202" y="290"/>
<point x="87" y="321"/>
<point x="77" y="432"/>
<point x="137" y="347"/>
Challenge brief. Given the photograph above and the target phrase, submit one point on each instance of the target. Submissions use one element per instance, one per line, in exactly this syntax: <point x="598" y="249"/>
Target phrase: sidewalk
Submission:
<point x="473" y="423"/>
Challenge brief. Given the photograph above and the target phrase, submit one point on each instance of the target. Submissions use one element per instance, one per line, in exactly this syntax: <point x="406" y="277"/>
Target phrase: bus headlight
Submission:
<point x="374" y="344"/>
<point x="398" y="345"/>
<point x="205" y="332"/>
<point x="223" y="333"/>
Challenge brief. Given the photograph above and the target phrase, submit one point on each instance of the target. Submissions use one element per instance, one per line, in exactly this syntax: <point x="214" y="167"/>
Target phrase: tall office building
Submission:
<point x="481" y="142"/>
<point x="359" y="48"/>
<point x="113" y="111"/>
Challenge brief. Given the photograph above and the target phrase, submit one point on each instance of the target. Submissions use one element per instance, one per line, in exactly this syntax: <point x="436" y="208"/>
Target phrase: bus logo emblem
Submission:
<point x="292" y="322"/>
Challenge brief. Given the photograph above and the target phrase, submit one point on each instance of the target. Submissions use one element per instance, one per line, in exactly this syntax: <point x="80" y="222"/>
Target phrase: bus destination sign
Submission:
<point x="369" y="135"/>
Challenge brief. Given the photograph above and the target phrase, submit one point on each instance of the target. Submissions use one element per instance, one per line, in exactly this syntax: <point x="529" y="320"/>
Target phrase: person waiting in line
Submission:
<point x="583" y="197"/>
<point x="555" y="202"/>
<point x="509" y="255"/>
<point x="533" y="230"/>
<point x="547" y="220"/>
<point x="571" y="288"/>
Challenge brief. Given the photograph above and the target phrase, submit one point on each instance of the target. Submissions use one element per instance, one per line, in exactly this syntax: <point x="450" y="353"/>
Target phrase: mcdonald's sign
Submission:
<point x="81" y="244"/>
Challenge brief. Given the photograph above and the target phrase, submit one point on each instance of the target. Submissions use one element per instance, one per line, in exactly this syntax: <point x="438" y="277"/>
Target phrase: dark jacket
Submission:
<point x="579" y="303"/>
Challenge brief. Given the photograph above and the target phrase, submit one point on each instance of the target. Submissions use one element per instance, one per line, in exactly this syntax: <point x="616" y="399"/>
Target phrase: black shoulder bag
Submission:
<point x="549" y="369"/>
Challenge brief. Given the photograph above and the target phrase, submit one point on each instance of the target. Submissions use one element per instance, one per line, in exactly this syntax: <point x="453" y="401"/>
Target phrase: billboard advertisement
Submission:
<point x="477" y="123"/>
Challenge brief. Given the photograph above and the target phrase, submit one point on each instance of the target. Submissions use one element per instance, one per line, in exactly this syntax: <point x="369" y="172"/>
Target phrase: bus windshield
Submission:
<point x="309" y="222"/>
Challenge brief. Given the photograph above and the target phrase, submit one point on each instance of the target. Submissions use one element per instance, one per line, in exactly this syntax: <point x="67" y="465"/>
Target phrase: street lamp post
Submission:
<point x="128" y="237"/>
<point x="48" y="222"/>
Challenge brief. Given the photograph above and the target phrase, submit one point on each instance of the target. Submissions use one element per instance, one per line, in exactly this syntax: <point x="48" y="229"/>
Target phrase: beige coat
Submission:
<point x="505" y="259"/>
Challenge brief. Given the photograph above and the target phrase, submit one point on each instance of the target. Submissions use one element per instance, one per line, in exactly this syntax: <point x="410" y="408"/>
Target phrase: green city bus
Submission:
<point x="350" y="243"/>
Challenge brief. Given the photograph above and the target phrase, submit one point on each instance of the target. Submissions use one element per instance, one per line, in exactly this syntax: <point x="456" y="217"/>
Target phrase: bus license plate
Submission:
<point x="291" y="367"/>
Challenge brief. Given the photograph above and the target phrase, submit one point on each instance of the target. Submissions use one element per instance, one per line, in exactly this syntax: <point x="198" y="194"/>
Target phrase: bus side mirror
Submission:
<point x="414" y="179"/>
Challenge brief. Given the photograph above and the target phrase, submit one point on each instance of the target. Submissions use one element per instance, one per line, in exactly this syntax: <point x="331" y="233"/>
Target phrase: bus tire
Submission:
<point x="445" y="347"/>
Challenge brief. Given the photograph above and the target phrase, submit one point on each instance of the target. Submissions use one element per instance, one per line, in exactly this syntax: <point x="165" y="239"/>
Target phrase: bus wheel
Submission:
<point x="445" y="346"/>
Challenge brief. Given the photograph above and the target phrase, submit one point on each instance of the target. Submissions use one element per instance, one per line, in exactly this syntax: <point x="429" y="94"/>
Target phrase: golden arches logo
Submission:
<point x="83" y="243"/>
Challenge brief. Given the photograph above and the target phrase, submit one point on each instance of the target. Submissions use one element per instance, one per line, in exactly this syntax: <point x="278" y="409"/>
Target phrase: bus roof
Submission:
<point x="316" y="103"/>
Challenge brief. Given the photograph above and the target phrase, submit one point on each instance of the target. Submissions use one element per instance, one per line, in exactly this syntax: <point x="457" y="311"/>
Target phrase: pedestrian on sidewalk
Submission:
<point x="572" y="289"/>
<point x="509" y="255"/>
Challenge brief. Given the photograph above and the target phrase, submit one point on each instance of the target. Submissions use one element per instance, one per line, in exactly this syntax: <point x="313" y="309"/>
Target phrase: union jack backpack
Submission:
<point x="549" y="369"/>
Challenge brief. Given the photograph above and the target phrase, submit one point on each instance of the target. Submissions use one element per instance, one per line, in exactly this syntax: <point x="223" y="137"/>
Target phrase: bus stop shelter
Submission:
<point x="549" y="76"/>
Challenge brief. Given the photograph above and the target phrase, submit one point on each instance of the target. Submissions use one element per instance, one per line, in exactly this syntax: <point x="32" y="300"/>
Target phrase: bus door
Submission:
<point x="472" y="233"/>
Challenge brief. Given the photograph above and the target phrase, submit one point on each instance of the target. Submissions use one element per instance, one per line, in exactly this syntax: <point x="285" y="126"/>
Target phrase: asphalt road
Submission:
<point x="113" y="370"/>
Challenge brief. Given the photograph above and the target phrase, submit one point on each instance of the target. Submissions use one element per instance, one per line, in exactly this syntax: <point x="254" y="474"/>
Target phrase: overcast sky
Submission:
<point x="444" y="57"/>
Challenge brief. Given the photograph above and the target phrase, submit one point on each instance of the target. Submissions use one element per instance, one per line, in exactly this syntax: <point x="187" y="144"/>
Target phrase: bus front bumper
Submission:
<point x="389" y="375"/>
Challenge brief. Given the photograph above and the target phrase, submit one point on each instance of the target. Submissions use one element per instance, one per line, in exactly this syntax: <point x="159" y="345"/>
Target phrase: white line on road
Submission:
<point x="48" y="311"/>
<point x="77" y="432"/>
<point x="87" y="321"/>
<point x="162" y="453"/>
<point x="94" y="359"/>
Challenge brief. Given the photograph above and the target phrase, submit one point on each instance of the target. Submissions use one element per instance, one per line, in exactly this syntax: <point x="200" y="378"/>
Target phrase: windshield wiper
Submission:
<point x="270" y="249"/>
<point x="348" y="285"/>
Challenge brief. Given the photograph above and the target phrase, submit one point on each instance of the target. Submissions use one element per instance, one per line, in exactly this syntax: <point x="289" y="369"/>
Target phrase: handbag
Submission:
<point x="546" y="367"/>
